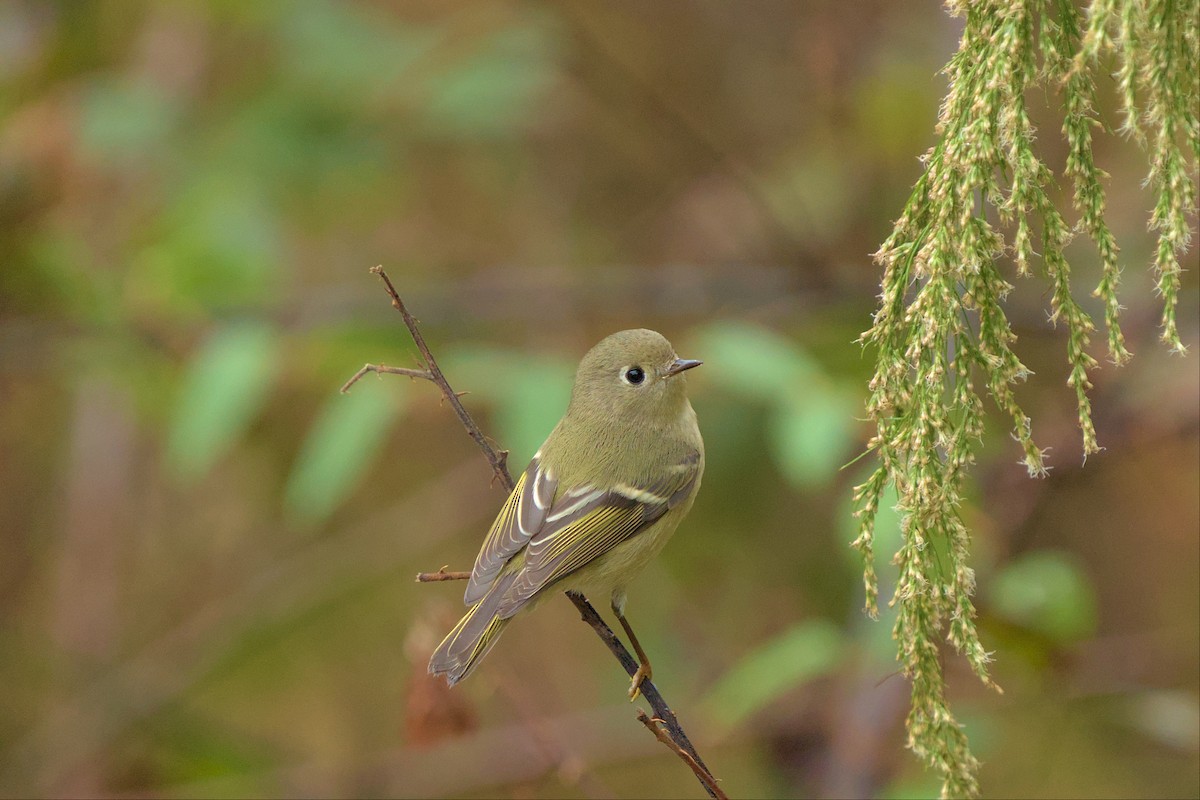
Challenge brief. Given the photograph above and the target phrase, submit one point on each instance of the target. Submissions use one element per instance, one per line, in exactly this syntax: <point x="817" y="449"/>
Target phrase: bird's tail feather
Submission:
<point x="474" y="635"/>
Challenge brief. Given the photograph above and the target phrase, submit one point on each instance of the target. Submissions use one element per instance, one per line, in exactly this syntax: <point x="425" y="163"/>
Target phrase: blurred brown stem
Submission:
<point x="666" y="726"/>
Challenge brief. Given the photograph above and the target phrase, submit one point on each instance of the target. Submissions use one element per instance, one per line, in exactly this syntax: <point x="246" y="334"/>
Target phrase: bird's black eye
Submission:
<point x="635" y="375"/>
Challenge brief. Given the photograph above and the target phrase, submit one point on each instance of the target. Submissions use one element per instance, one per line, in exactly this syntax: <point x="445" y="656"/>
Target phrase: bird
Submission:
<point x="598" y="501"/>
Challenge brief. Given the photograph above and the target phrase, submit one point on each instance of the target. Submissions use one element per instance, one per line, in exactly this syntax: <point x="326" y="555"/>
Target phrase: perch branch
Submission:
<point x="666" y="726"/>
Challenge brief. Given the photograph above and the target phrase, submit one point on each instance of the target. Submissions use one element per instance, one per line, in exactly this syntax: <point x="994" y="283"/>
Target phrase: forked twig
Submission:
<point x="655" y="726"/>
<point x="666" y="726"/>
<point x="380" y="369"/>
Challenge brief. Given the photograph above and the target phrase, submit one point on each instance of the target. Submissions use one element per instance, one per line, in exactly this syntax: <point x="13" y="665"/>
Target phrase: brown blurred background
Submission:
<point x="206" y="552"/>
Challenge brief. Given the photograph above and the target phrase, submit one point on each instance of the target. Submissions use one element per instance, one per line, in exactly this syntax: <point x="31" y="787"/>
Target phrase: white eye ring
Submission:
<point x="633" y="375"/>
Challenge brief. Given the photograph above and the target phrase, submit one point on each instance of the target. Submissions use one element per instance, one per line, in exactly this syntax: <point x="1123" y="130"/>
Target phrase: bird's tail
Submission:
<point x="472" y="637"/>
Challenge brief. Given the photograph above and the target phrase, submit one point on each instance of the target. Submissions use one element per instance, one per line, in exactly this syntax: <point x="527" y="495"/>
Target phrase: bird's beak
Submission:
<point x="681" y="364"/>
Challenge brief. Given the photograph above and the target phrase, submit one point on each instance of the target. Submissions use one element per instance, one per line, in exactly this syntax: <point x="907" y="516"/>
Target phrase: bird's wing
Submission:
<point x="585" y="522"/>
<point x="522" y="516"/>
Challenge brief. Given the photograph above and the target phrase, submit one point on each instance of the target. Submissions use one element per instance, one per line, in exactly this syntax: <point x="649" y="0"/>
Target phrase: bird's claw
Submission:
<point x="635" y="685"/>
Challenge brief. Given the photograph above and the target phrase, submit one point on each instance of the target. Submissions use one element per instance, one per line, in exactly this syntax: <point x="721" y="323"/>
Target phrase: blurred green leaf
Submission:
<point x="753" y="361"/>
<point x="1047" y="592"/>
<point x="224" y="387"/>
<point x="218" y="248"/>
<point x="349" y="54"/>
<point x="811" y="434"/>
<point x="493" y="91"/>
<point x="534" y="400"/>
<point x="812" y="421"/>
<point x="340" y="446"/>
<point x="122" y="119"/>
<point x="530" y="394"/>
<point x="481" y="370"/>
<point x="804" y="652"/>
<point x="317" y="145"/>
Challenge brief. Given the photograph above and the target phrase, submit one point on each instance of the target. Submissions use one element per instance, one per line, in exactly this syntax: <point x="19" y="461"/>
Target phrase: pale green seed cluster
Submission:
<point x="940" y="328"/>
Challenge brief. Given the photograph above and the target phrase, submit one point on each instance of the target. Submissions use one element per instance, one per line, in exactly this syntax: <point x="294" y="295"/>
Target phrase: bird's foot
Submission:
<point x="635" y="685"/>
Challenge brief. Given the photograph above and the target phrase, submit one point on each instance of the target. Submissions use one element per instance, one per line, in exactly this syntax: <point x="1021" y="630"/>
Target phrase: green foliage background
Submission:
<point x="207" y="551"/>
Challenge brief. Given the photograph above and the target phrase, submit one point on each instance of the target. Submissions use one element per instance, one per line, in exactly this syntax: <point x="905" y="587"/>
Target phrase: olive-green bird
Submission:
<point x="597" y="502"/>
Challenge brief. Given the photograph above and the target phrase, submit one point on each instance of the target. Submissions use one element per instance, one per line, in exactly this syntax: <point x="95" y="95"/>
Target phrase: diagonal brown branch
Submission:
<point x="655" y="726"/>
<point x="675" y="737"/>
<point x="497" y="458"/>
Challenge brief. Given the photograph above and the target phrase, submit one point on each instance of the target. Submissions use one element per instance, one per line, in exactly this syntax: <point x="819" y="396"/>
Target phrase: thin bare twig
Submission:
<point x="380" y="369"/>
<point x="498" y="459"/>
<point x="655" y="726"/>
<point x="442" y="575"/>
<point x="666" y="722"/>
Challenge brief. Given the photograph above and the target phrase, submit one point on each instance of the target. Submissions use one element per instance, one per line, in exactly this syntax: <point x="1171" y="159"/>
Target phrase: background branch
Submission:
<point x="674" y="734"/>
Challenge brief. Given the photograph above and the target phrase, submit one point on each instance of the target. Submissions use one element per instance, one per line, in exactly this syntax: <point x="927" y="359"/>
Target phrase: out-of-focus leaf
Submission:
<point x="492" y="92"/>
<point x="810" y="435"/>
<point x="530" y="394"/>
<point x="217" y="249"/>
<point x="340" y="446"/>
<point x="483" y="371"/>
<point x="350" y="54"/>
<point x="317" y="145"/>
<point x="297" y="150"/>
<point x="753" y="361"/>
<point x="225" y="385"/>
<point x="124" y="119"/>
<point x="534" y="400"/>
<point x="1046" y="592"/>
<point x="804" y="652"/>
<point x="811" y="419"/>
